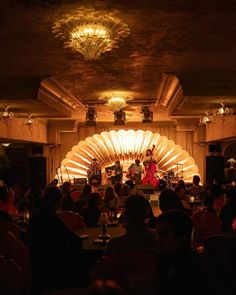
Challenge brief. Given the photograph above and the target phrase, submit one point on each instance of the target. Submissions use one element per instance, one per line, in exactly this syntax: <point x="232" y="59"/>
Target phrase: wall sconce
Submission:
<point x="223" y="111"/>
<point x="30" y="122"/>
<point x="207" y="119"/>
<point x="6" y="115"/>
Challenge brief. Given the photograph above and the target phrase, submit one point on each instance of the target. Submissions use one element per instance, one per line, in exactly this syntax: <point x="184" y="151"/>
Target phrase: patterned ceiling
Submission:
<point x="195" y="40"/>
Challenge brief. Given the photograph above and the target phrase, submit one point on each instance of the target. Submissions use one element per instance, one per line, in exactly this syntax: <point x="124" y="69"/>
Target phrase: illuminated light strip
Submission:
<point x="77" y="164"/>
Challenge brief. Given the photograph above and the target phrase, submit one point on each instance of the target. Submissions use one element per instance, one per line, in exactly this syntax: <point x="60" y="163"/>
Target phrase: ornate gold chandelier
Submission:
<point x="90" y="33"/>
<point x="116" y="101"/>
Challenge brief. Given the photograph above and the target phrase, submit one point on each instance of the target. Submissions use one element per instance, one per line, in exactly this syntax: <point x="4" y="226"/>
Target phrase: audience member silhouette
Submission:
<point x="67" y="201"/>
<point x="181" y="192"/>
<point x="169" y="200"/>
<point x="101" y="287"/>
<point x="111" y="200"/>
<point x="83" y="200"/>
<point x="180" y="270"/>
<point x="137" y="236"/>
<point x="54" y="248"/>
<point x="205" y="221"/>
<point x="125" y="193"/>
<point x="92" y="213"/>
<point x="228" y="212"/>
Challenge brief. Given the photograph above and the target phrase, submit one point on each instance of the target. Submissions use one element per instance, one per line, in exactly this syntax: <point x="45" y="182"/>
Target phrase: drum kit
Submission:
<point x="172" y="176"/>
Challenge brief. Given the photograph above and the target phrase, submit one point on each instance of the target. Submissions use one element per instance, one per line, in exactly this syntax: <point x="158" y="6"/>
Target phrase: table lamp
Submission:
<point x="103" y="221"/>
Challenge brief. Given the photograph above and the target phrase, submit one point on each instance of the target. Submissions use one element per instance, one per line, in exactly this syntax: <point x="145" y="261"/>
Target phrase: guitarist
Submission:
<point x="115" y="172"/>
<point x="135" y="171"/>
<point x="94" y="172"/>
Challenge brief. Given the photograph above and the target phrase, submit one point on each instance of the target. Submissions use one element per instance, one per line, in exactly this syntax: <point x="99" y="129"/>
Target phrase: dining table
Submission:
<point x="90" y="236"/>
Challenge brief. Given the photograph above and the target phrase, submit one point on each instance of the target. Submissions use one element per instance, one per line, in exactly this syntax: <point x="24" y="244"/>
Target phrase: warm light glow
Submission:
<point x="6" y="115"/>
<point x="116" y="101"/>
<point x="89" y="31"/>
<point x="91" y="34"/>
<point x="224" y="111"/>
<point x="207" y="119"/>
<point x="5" y="144"/>
<point x="127" y="146"/>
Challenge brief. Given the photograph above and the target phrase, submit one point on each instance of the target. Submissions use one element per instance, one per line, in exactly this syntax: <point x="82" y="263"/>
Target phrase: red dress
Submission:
<point x="150" y="177"/>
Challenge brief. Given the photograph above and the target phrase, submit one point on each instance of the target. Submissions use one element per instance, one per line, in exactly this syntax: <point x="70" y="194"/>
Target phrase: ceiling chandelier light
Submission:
<point x="6" y="115"/>
<point x="90" y="34"/>
<point x="207" y="119"/>
<point x="116" y="101"/>
<point x="223" y="111"/>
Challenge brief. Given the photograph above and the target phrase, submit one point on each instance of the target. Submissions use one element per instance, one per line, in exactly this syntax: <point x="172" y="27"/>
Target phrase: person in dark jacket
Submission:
<point x="54" y="248"/>
<point x="67" y="200"/>
<point x="92" y="213"/>
<point x="180" y="269"/>
<point x="228" y="212"/>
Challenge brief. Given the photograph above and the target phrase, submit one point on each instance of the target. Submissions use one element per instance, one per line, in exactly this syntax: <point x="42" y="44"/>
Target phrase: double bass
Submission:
<point x="150" y="170"/>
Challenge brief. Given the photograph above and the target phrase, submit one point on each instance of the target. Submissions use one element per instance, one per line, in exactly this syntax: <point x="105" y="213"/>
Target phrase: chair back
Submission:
<point x="127" y="268"/>
<point x="73" y="221"/>
<point x="220" y="251"/>
<point x="11" y="281"/>
<point x="10" y="227"/>
<point x="13" y="249"/>
<point x="205" y="225"/>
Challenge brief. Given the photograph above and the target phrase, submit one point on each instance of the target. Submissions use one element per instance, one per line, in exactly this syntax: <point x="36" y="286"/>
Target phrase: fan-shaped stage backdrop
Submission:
<point x="127" y="146"/>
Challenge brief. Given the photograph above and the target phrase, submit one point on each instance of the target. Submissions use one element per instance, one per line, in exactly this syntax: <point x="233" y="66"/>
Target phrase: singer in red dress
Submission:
<point x="150" y="169"/>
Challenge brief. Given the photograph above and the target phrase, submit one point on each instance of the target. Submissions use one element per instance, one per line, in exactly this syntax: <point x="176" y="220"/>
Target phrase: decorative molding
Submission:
<point x="186" y="124"/>
<point x="170" y="93"/>
<point x="52" y="93"/>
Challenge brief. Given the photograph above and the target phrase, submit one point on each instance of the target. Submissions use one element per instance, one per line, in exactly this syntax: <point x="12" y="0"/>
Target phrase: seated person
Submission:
<point x="196" y="189"/>
<point x="218" y="195"/>
<point x="205" y="222"/>
<point x="125" y="193"/>
<point x="4" y="216"/>
<point x="4" y="205"/>
<point x="67" y="201"/>
<point x="106" y="287"/>
<point x="83" y="199"/>
<point x="111" y="199"/>
<point x="169" y="200"/>
<point x="181" y="192"/>
<point x="54" y="248"/>
<point x="92" y="213"/>
<point x="180" y="270"/>
<point x="137" y="236"/>
<point x="228" y="212"/>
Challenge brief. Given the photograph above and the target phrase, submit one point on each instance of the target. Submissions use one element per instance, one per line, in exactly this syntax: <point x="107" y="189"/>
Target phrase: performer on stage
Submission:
<point x="94" y="172"/>
<point x="135" y="171"/>
<point x="115" y="172"/>
<point x="150" y="169"/>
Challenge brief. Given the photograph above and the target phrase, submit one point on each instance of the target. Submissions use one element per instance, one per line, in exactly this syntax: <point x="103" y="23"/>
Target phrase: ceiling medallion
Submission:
<point x="116" y="101"/>
<point x="90" y="34"/>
